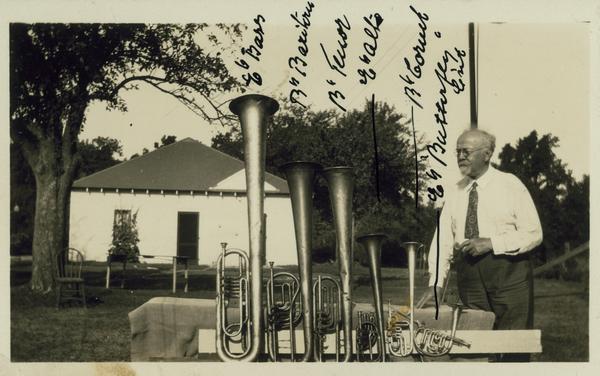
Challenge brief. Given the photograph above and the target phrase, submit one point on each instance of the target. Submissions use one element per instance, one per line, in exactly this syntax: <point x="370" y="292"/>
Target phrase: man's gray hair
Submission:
<point x="488" y="139"/>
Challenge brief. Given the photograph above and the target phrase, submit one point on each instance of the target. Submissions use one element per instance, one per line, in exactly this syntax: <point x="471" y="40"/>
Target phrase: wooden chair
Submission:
<point x="70" y="284"/>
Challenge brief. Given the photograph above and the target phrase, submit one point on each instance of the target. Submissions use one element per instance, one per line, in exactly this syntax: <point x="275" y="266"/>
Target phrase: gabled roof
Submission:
<point x="184" y="165"/>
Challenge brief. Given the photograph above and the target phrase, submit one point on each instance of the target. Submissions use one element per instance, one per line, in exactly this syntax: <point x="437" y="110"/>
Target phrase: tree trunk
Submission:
<point x="50" y="235"/>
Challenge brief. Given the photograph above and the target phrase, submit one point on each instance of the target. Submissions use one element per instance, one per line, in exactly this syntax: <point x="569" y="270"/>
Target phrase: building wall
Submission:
<point x="221" y="219"/>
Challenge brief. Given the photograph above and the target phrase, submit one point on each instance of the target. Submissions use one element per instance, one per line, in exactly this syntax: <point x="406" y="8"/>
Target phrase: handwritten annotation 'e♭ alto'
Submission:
<point x="253" y="52"/>
<point x="372" y="30"/>
<point x="298" y="62"/>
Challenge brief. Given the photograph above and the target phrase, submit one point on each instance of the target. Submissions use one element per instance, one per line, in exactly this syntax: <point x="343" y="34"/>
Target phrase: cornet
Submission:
<point x="398" y="345"/>
<point x="423" y="340"/>
<point x="430" y="342"/>
<point x="253" y="111"/>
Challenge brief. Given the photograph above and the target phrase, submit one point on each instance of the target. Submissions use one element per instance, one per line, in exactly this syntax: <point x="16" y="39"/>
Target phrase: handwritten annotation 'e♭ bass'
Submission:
<point x="298" y="62"/>
<point x="253" y="52"/>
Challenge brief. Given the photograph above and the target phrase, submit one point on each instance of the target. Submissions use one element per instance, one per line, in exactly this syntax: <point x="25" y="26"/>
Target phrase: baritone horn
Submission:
<point x="283" y="289"/>
<point x="327" y="314"/>
<point x="372" y="245"/>
<point x="300" y="177"/>
<point x="253" y="111"/>
<point x="341" y="186"/>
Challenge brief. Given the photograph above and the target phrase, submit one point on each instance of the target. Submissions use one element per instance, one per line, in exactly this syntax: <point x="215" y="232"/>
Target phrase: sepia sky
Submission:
<point x="530" y="76"/>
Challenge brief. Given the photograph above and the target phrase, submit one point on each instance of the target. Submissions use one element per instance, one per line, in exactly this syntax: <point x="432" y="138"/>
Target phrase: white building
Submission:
<point x="188" y="198"/>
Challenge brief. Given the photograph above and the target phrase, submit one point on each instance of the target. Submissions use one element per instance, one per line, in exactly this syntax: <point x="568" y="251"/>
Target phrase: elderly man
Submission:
<point x="488" y="226"/>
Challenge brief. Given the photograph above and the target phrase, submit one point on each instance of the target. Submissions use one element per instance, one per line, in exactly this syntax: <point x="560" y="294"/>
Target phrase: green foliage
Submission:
<point x="125" y="238"/>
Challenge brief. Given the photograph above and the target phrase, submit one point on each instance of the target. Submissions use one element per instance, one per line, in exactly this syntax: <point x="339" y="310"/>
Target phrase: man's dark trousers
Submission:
<point x="501" y="284"/>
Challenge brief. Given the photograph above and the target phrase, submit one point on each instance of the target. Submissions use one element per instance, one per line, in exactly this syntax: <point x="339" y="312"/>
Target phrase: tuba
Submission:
<point x="253" y="111"/>
<point x="300" y="177"/>
<point x="372" y="327"/>
<point x="341" y="186"/>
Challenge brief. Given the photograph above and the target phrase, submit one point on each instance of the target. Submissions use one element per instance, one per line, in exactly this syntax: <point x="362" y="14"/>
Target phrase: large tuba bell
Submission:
<point x="300" y="177"/>
<point x="372" y="245"/>
<point x="253" y="111"/>
<point x="341" y="187"/>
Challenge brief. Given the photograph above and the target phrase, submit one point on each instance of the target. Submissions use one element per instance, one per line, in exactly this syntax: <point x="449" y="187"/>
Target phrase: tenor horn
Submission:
<point x="372" y="245"/>
<point x="253" y="111"/>
<point x="341" y="186"/>
<point x="300" y="178"/>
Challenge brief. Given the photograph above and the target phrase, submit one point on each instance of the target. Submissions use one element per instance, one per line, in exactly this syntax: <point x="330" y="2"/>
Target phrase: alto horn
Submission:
<point x="398" y="345"/>
<point x="341" y="186"/>
<point x="253" y="111"/>
<point x="300" y="177"/>
<point x="372" y="245"/>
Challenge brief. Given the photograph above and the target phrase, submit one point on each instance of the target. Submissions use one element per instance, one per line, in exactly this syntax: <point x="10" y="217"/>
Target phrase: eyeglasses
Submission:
<point x="466" y="152"/>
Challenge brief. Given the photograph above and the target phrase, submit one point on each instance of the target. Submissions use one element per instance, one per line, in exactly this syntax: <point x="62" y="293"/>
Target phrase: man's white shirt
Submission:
<point x="505" y="213"/>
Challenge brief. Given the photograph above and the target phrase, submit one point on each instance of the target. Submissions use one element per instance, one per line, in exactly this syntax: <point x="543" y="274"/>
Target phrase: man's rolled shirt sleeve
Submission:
<point x="526" y="233"/>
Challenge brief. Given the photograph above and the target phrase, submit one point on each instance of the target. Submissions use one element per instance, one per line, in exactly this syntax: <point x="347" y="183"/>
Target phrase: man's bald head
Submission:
<point x="482" y="137"/>
<point x="474" y="149"/>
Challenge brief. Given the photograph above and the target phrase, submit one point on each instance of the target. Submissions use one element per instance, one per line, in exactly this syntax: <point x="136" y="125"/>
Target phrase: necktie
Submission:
<point x="471" y="228"/>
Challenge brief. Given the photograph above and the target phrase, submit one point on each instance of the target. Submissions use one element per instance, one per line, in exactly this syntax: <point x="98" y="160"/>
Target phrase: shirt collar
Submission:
<point x="483" y="180"/>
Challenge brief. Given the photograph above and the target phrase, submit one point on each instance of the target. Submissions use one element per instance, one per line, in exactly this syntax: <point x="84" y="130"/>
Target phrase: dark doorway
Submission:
<point x="187" y="234"/>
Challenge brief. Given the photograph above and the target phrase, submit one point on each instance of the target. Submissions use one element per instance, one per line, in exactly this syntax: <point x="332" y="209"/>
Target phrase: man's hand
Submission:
<point x="476" y="246"/>
<point x="428" y="297"/>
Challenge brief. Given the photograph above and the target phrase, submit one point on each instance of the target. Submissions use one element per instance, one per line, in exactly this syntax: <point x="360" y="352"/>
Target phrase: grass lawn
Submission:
<point x="40" y="332"/>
